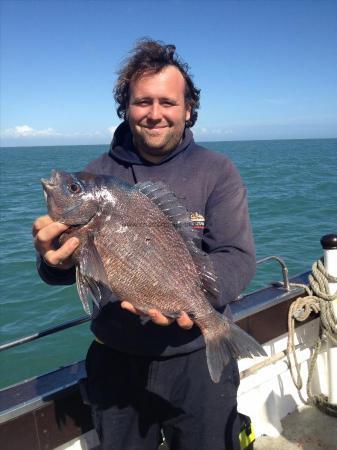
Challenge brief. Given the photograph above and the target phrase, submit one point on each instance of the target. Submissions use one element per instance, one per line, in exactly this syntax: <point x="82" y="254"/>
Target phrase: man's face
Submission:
<point x="157" y="112"/>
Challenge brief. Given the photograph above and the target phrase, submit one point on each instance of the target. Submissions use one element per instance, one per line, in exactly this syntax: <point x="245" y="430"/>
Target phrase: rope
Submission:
<point x="318" y="300"/>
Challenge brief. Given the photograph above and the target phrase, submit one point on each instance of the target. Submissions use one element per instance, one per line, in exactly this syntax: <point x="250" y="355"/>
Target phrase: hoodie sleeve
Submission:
<point x="228" y="235"/>
<point x="52" y="275"/>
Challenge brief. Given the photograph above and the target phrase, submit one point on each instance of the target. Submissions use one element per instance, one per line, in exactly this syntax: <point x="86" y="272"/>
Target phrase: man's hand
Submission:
<point x="45" y="233"/>
<point x="158" y="318"/>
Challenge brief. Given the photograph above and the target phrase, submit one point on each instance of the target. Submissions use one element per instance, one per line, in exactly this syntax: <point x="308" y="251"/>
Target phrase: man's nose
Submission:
<point x="154" y="112"/>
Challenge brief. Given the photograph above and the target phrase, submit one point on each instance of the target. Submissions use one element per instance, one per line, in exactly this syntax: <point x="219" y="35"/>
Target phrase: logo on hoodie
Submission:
<point x="198" y="221"/>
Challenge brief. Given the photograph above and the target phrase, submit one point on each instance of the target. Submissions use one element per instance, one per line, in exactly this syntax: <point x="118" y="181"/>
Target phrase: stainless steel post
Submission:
<point x="329" y="244"/>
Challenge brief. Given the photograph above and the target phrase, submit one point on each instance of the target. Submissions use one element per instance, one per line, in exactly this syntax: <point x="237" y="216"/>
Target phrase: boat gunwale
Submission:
<point x="67" y="377"/>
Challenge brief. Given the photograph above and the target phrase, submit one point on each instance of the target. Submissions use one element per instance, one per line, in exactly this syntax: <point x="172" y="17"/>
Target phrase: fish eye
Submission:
<point x="74" y="188"/>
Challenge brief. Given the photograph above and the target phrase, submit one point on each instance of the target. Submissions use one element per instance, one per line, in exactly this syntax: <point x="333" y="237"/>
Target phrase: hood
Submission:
<point x="123" y="150"/>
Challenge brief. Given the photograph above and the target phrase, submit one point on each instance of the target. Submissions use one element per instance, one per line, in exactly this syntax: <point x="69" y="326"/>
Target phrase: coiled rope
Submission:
<point x="318" y="300"/>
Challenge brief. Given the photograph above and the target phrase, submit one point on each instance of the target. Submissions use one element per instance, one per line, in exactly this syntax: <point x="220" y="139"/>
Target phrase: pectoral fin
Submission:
<point x="91" y="262"/>
<point x="90" y="274"/>
<point x="88" y="288"/>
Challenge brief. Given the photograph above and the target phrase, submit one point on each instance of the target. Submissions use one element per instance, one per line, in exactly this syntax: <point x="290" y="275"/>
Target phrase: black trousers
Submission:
<point x="133" y="398"/>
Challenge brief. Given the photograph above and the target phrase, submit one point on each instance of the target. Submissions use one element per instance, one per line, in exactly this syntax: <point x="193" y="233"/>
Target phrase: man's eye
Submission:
<point x="142" y="103"/>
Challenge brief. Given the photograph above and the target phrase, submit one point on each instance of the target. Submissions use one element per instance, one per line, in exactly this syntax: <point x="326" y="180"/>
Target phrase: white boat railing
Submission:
<point x="83" y="319"/>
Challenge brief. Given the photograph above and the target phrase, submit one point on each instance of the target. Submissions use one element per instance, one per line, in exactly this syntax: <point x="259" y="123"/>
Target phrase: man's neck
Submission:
<point x="148" y="156"/>
<point x="154" y="159"/>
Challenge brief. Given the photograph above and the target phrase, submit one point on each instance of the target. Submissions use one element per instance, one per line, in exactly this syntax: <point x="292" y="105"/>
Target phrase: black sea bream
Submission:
<point x="138" y="241"/>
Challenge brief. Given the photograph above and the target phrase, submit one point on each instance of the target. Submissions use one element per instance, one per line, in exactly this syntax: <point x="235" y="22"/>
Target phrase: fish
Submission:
<point x="138" y="242"/>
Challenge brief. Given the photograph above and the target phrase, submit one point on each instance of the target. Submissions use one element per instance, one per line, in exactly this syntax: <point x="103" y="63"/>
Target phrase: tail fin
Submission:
<point x="225" y="340"/>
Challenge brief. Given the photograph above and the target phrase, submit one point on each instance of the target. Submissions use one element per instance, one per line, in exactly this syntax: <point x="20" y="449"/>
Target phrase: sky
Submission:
<point x="266" y="69"/>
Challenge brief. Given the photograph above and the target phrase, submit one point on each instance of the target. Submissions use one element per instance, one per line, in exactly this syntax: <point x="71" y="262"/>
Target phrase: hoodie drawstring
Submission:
<point x="134" y="174"/>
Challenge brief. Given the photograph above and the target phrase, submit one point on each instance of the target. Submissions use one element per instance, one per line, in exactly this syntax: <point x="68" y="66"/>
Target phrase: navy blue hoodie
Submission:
<point x="211" y="188"/>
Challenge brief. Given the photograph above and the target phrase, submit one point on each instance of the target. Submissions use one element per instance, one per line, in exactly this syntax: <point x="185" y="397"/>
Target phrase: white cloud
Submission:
<point x="213" y="131"/>
<point x="27" y="131"/>
<point x="83" y="134"/>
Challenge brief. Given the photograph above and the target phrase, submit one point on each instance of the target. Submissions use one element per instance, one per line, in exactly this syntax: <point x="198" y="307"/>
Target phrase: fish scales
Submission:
<point x="153" y="287"/>
<point x="157" y="254"/>
<point x="138" y="242"/>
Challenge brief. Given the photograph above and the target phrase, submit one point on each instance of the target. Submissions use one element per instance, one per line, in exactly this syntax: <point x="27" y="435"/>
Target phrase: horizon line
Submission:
<point x="197" y="141"/>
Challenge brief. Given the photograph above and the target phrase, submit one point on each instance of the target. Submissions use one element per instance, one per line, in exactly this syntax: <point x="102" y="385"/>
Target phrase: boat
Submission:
<point x="51" y="411"/>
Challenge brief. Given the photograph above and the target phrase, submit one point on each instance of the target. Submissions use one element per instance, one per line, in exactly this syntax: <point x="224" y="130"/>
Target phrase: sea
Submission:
<point x="292" y="193"/>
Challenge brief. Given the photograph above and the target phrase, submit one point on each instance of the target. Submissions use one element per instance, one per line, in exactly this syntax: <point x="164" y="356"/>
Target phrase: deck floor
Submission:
<point x="306" y="429"/>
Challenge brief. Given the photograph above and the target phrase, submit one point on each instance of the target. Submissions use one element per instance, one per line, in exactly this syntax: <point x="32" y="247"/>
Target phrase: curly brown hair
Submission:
<point x="149" y="55"/>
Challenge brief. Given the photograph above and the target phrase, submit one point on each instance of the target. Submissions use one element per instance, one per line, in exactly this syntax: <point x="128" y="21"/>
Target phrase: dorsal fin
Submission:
<point x="178" y="215"/>
<point x="167" y="202"/>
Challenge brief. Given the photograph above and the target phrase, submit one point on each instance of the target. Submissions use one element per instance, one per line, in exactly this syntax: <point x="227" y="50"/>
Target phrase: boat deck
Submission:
<point x="305" y="429"/>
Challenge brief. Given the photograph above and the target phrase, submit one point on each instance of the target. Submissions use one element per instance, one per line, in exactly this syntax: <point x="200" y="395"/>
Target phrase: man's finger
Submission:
<point x="40" y="223"/>
<point x="184" y="321"/>
<point x="61" y="256"/>
<point x="129" y="307"/>
<point x="50" y="231"/>
<point x="159" y="319"/>
<point x="154" y="314"/>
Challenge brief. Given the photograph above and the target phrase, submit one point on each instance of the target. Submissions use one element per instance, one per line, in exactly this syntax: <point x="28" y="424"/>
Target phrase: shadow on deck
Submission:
<point x="306" y="429"/>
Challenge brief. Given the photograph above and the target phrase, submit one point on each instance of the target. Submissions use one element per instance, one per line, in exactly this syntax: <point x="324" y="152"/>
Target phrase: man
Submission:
<point x="148" y="377"/>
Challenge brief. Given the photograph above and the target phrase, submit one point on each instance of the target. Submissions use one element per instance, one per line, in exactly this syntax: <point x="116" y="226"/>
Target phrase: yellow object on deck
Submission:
<point x="246" y="435"/>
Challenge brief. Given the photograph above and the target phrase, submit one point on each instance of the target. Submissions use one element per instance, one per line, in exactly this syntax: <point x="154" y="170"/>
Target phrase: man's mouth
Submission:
<point x="155" y="130"/>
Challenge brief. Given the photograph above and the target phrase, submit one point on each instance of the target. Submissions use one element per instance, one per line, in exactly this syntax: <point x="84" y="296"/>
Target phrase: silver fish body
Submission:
<point x="138" y="242"/>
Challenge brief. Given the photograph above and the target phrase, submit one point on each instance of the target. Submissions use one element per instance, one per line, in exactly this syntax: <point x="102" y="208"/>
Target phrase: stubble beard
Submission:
<point x="157" y="145"/>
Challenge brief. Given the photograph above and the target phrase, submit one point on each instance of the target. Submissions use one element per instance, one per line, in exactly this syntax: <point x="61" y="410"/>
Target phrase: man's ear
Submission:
<point x="188" y="113"/>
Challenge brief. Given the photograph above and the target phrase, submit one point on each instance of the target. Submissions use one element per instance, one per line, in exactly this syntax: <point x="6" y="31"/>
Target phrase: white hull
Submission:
<point x="269" y="394"/>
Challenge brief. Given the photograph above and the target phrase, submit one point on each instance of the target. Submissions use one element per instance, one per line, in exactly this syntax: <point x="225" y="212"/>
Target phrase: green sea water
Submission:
<point x="292" y="191"/>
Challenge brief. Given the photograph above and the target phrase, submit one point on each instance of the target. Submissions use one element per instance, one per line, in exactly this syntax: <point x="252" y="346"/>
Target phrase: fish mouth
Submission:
<point x="52" y="183"/>
<point x="54" y="178"/>
<point x="47" y="187"/>
<point x="50" y="191"/>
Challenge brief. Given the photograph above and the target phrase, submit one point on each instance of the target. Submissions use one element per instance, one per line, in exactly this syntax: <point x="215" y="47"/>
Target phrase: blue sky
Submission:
<point x="266" y="69"/>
